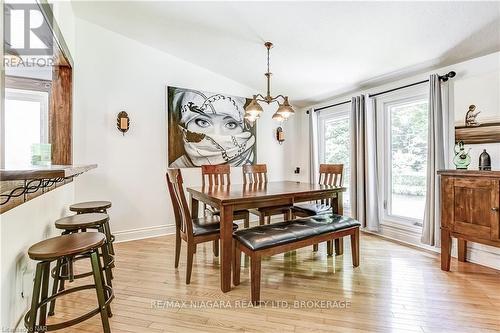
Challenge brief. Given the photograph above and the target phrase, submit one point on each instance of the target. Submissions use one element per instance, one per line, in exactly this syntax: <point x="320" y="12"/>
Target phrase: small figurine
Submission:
<point x="470" y="117"/>
<point x="462" y="158"/>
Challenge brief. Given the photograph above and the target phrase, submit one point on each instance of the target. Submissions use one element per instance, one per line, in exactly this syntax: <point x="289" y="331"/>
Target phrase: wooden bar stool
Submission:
<point x="96" y="207"/>
<point x="53" y="249"/>
<point x="64" y="268"/>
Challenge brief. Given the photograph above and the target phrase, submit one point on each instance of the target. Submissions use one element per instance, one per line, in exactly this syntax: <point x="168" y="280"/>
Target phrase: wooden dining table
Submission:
<point x="230" y="198"/>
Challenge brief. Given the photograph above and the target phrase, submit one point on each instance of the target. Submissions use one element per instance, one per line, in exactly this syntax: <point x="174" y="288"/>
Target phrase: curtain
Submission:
<point x="436" y="159"/>
<point x="313" y="147"/>
<point x="364" y="172"/>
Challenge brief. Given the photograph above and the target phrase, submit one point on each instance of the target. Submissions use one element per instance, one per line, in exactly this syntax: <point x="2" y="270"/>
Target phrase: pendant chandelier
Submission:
<point x="253" y="110"/>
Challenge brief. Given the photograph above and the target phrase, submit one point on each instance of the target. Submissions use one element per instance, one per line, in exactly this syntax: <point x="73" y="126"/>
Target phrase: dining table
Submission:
<point x="230" y="198"/>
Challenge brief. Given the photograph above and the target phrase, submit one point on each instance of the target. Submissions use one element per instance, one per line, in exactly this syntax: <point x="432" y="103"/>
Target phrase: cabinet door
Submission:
<point x="475" y="201"/>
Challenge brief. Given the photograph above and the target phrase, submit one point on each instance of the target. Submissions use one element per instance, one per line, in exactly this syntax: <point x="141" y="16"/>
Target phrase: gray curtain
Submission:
<point x="364" y="172"/>
<point x="436" y="157"/>
<point x="313" y="147"/>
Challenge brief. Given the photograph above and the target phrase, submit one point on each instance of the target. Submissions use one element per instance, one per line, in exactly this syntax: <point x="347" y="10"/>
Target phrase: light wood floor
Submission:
<point x="395" y="289"/>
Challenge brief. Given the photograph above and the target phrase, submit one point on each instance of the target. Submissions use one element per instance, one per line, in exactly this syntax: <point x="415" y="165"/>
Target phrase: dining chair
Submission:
<point x="256" y="174"/>
<point x="192" y="231"/>
<point x="217" y="175"/>
<point x="329" y="174"/>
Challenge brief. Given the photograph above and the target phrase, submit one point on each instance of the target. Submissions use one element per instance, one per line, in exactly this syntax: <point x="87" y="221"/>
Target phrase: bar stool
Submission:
<point x="53" y="249"/>
<point x="96" y="207"/>
<point x="64" y="267"/>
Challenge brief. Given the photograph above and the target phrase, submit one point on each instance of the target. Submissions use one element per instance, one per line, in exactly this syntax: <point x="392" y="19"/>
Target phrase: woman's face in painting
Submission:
<point x="214" y="124"/>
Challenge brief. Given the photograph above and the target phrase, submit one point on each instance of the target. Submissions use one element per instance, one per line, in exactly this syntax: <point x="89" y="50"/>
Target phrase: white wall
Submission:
<point x="20" y="228"/>
<point x="115" y="73"/>
<point x="477" y="82"/>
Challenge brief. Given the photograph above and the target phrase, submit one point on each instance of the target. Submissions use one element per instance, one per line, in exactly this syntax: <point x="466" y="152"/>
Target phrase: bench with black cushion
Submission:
<point x="268" y="240"/>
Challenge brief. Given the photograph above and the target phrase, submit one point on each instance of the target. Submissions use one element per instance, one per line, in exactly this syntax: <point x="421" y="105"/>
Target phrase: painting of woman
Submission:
<point x="208" y="128"/>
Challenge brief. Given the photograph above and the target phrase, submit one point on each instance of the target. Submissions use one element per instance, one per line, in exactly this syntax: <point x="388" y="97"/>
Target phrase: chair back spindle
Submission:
<point x="182" y="214"/>
<point x="215" y="175"/>
<point x="253" y="174"/>
<point x="330" y="174"/>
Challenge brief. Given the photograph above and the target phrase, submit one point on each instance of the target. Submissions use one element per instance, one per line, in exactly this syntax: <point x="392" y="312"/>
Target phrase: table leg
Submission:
<point x="462" y="250"/>
<point x="445" y="249"/>
<point x="226" y="240"/>
<point x="194" y="208"/>
<point x="339" y="204"/>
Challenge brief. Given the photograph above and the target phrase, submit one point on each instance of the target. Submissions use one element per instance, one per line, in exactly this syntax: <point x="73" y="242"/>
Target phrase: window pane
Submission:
<point x="23" y="128"/>
<point x="337" y="149"/>
<point x="408" y="135"/>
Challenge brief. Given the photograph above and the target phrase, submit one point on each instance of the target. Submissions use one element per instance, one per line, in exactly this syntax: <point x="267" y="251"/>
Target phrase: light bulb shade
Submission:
<point x="251" y="118"/>
<point x="253" y="109"/>
<point x="278" y="117"/>
<point x="285" y="109"/>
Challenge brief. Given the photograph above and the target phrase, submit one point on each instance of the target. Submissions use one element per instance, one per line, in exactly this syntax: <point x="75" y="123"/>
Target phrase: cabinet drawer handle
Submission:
<point x="494" y="209"/>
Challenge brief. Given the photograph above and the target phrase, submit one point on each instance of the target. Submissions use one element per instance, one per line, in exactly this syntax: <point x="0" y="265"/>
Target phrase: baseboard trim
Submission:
<point x="476" y="253"/>
<point x="143" y="233"/>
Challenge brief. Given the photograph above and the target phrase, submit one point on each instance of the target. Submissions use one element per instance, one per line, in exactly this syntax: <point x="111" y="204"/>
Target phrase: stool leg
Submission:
<point x="54" y="286"/>
<point x="107" y="231"/>
<point x="215" y="246"/>
<point x="35" y="297"/>
<point x="43" y="297"/>
<point x="109" y="277"/>
<point x="94" y="258"/>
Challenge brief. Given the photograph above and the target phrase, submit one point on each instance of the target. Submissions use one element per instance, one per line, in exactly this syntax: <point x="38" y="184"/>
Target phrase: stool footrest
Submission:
<point x="74" y="321"/>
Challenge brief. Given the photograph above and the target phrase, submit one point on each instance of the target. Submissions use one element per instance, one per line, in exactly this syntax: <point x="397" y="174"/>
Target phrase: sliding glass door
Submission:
<point x="404" y="130"/>
<point x="335" y="143"/>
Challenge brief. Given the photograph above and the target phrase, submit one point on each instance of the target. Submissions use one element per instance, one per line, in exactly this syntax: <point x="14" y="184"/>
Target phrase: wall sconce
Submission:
<point x="280" y="135"/>
<point x="123" y="122"/>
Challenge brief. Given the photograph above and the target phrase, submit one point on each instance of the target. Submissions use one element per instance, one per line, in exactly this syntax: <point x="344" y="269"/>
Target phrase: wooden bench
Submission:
<point x="268" y="240"/>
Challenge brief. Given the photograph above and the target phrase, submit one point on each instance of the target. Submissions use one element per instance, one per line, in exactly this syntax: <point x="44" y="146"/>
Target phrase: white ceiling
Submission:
<point x="321" y="48"/>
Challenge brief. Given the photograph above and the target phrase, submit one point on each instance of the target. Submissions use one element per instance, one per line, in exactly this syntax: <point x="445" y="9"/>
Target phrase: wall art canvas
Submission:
<point x="208" y="128"/>
<point x="477" y="109"/>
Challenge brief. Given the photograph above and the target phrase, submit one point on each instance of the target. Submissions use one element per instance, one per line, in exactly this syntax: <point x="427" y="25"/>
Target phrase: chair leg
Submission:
<point x="255" y="264"/>
<point x="262" y="219"/>
<point x="269" y="219"/>
<point x="315" y="247"/>
<point x="44" y="293"/>
<point x="215" y="246"/>
<point x="190" y="254"/>
<point x="246" y="222"/>
<point x="94" y="258"/>
<point x="236" y="263"/>
<point x="339" y="246"/>
<point x="287" y="215"/>
<point x="329" y="248"/>
<point x="178" y="242"/>
<point x="35" y="297"/>
<point x="55" y="285"/>
<point x="355" y="247"/>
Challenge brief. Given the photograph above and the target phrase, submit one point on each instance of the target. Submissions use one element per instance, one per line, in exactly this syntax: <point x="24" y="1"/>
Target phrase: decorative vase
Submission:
<point x="484" y="161"/>
<point x="462" y="158"/>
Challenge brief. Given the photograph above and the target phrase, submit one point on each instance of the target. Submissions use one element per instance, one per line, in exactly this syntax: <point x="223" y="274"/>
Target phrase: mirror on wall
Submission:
<point x="36" y="114"/>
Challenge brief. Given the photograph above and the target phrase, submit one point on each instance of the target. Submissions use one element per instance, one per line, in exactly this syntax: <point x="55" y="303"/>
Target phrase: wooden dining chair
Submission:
<point x="329" y="174"/>
<point x="256" y="174"/>
<point x="217" y="175"/>
<point x="192" y="231"/>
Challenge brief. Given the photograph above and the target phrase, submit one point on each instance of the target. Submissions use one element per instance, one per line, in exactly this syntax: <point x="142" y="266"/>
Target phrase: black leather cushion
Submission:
<point x="312" y="209"/>
<point x="207" y="225"/>
<point x="266" y="236"/>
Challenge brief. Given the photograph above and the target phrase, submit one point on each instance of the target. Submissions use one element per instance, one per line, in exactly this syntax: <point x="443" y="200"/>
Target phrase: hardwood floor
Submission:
<point x="395" y="289"/>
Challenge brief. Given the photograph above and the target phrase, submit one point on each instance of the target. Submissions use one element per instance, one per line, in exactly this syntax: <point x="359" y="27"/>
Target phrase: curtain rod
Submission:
<point x="444" y="78"/>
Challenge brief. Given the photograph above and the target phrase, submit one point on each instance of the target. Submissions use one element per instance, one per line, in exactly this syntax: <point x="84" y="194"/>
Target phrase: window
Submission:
<point x="404" y="161"/>
<point x="334" y="142"/>
<point x="26" y="116"/>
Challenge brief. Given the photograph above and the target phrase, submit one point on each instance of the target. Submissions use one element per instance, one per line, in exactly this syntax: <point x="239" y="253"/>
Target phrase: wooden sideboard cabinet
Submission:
<point x="470" y="202"/>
